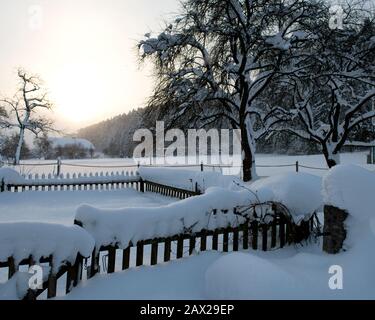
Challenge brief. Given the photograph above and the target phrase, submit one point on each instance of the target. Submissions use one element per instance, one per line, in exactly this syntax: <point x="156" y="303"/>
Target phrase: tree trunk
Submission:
<point x="19" y="147"/>
<point x="248" y="156"/>
<point x="332" y="158"/>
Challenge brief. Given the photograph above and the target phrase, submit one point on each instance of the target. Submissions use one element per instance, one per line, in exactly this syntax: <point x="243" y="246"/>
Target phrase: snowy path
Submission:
<point x="60" y="206"/>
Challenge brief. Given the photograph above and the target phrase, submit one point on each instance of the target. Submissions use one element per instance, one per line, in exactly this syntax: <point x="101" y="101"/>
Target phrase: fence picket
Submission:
<point x="111" y="259"/>
<point x="254" y="233"/>
<point x="167" y="250"/>
<point x="191" y="244"/>
<point x="154" y="253"/>
<point x="180" y="247"/>
<point x="126" y="258"/>
<point x="139" y="258"/>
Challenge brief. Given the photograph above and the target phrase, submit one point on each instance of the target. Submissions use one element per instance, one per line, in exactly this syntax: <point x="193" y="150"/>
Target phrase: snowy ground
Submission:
<point x="291" y="273"/>
<point x="109" y="165"/>
<point x="60" y="206"/>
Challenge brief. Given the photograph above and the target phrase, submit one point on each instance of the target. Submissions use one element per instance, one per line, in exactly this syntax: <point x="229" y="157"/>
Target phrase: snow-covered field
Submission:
<point x="271" y="161"/>
<point x="60" y="207"/>
<point x="296" y="272"/>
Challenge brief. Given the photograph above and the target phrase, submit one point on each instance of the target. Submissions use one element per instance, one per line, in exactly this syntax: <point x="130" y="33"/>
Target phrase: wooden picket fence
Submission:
<point x="149" y="186"/>
<point x="85" y="182"/>
<point x="281" y="231"/>
<point x="73" y="274"/>
<point x="74" y="182"/>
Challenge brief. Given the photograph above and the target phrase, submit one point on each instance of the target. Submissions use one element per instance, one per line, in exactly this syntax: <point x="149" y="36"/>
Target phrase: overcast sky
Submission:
<point x="83" y="49"/>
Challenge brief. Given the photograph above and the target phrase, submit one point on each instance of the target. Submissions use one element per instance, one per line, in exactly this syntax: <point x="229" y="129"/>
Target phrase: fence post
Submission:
<point x="297" y="166"/>
<point x="58" y="166"/>
<point x="141" y="185"/>
<point x="334" y="232"/>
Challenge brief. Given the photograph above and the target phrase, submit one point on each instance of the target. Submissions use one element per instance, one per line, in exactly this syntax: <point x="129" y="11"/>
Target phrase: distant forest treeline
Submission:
<point x="114" y="137"/>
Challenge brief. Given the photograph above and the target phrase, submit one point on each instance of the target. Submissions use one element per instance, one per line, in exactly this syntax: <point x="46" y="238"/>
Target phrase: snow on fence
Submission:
<point x="84" y="255"/>
<point x="189" y="226"/>
<point x="12" y="182"/>
<point x="98" y="181"/>
<point x="57" y="249"/>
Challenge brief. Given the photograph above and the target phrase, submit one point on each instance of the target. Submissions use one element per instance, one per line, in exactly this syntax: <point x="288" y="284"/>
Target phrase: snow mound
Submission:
<point x="21" y="239"/>
<point x="299" y="192"/>
<point x="10" y="176"/>
<point x="246" y="276"/>
<point x="351" y="188"/>
<point x="16" y="288"/>
<point x="186" y="179"/>
<point x="122" y="226"/>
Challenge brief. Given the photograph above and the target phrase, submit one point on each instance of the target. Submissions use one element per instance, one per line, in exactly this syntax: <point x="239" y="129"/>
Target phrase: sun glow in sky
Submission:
<point x="85" y="51"/>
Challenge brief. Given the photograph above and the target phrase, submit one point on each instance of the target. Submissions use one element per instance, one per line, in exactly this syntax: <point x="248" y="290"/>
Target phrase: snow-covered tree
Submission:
<point x="227" y="51"/>
<point x="26" y="109"/>
<point x="334" y="94"/>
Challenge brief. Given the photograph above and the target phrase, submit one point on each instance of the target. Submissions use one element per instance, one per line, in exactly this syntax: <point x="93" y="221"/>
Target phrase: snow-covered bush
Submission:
<point x="351" y="188"/>
<point x="300" y="192"/>
<point x="22" y="239"/>
<point x="10" y="176"/>
<point x="121" y="226"/>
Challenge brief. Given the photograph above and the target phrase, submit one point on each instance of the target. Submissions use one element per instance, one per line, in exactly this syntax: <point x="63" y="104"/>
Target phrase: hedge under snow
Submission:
<point x="299" y="192"/>
<point x="122" y="226"/>
<point x="22" y="239"/>
<point x="351" y="188"/>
